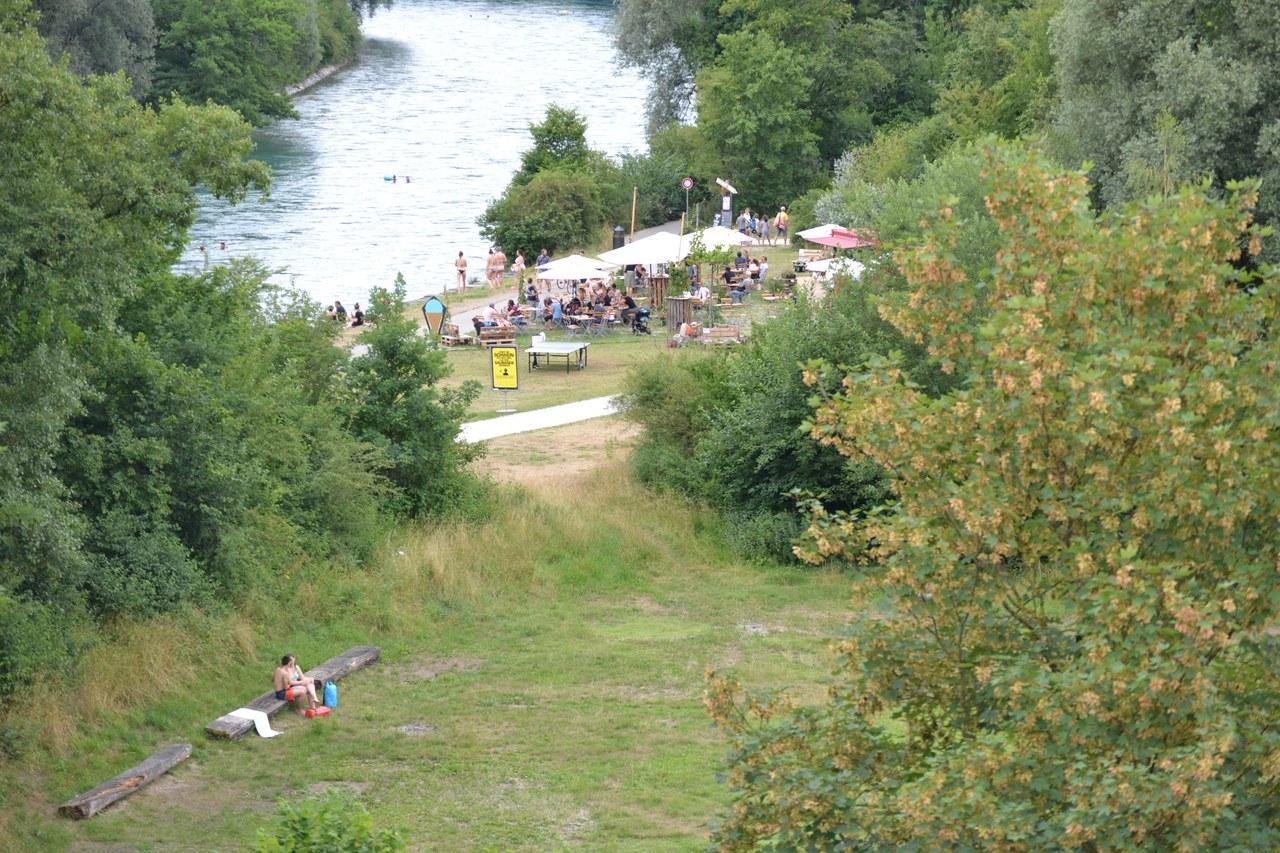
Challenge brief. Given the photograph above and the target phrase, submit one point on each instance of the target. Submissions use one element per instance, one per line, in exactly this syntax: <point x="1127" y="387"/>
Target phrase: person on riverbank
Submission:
<point x="461" y="266"/>
<point x="543" y="259"/>
<point x="339" y="313"/>
<point x="780" y="224"/>
<point x="500" y="262"/>
<point x="491" y="270"/>
<point x="289" y="679"/>
<point x="357" y="317"/>
<point x="517" y="267"/>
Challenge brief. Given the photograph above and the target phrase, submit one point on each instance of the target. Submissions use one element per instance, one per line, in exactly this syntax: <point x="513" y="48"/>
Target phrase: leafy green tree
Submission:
<point x="102" y="37"/>
<point x="562" y="193"/>
<point x="239" y="53"/>
<point x="751" y="107"/>
<point x="396" y="403"/>
<point x="1213" y="67"/>
<point x="1079" y="578"/>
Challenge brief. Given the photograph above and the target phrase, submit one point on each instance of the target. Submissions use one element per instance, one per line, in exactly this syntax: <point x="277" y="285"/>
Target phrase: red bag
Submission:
<point x="322" y="711"/>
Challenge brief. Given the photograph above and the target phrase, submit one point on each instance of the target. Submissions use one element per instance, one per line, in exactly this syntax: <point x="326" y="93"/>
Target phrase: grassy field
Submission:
<point x="540" y="686"/>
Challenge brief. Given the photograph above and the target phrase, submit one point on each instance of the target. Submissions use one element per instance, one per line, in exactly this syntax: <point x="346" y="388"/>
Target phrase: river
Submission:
<point x="443" y="92"/>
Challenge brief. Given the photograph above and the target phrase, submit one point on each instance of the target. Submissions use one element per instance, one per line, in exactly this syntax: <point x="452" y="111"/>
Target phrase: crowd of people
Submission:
<point x="762" y="227"/>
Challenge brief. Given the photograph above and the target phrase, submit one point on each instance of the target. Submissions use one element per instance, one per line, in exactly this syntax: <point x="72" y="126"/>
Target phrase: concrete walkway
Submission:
<point x="554" y="416"/>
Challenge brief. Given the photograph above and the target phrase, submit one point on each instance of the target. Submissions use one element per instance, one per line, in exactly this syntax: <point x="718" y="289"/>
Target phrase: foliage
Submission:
<point x="554" y="211"/>
<point x="562" y="194"/>
<point x="101" y="37"/>
<point x="396" y="404"/>
<point x="1081" y="569"/>
<point x="331" y="824"/>
<point x="1213" y="68"/>
<point x="243" y="53"/>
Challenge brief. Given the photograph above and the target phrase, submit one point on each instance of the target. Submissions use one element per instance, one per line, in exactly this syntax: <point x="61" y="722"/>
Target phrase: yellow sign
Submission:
<point x="502" y="362"/>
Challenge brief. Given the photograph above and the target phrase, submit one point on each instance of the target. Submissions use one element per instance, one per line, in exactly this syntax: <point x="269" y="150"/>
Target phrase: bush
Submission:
<point x="335" y="823"/>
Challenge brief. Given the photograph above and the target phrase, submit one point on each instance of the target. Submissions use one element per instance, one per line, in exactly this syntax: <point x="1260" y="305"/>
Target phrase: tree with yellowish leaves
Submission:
<point x="1064" y="634"/>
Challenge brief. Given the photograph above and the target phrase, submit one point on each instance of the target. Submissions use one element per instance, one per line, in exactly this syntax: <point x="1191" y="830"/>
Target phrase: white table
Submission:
<point x="548" y="350"/>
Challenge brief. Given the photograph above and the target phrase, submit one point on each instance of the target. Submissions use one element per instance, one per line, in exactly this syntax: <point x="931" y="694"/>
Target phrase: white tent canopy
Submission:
<point x="574" y="268"/>
<point x="661" y="248"/>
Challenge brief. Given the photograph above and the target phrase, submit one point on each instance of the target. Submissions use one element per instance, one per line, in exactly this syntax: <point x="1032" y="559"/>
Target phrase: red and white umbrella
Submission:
<point x="840" y="238"/>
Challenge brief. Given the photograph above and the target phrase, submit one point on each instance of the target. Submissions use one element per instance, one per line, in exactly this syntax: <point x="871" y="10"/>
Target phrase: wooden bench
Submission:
<point x="334" y="669"/>
<point x="498" y="336"/>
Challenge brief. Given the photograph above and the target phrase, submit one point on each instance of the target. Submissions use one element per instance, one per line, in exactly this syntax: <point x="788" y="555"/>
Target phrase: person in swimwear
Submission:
<point x="289" y="675"/>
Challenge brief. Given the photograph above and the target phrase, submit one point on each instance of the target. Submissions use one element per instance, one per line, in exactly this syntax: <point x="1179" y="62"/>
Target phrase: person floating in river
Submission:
<point x="291" y="684"/>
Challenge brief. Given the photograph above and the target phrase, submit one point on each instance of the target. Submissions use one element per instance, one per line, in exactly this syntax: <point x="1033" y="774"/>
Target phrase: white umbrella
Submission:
<point x="820" y="231"/>
<point x="830" y="267"/>
<point x="660" y="248"/>
<point x="716" y="237"/>
<point x="573" y="268"/>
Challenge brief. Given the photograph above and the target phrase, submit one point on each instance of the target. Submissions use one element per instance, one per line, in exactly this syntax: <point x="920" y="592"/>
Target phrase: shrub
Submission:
<point x="335" y="823"/>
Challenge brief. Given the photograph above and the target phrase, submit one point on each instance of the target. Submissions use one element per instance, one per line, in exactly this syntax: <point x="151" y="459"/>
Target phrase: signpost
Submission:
<point x="506" y="377"/>
<point x="433" y="311"/>
<point x="687" y="183"/>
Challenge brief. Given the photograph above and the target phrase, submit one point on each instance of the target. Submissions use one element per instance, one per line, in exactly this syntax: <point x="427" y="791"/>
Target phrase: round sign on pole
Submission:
<point x="687" y="183"/>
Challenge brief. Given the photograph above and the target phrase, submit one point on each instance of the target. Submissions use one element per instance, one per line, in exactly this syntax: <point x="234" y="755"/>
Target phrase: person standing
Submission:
<point x="500" y="264"/>
<point x="764" y="230"/>
<point x="491" y="270"/>
<point x="543" y="259"/>
<point x="517" y="267"/>
<point x="461" y="266"/>
<point x="780" y="221"/>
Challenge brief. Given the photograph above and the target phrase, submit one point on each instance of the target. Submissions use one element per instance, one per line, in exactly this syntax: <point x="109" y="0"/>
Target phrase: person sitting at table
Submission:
<point x="574" y="306"/>
<point x="730" y="275"/>
<point x="764" y="268"/>
<point x="753" y="270"/>
<point x="490" y="315"/>
<point x="703" y="296"/>
<point x="642" y="276"/>
<point x="738" y="292"/>
<point x="531" y="293"/>
<point x="740" y="260"/>
<point x="630" y="310"/>
<point x="514" y="313"/>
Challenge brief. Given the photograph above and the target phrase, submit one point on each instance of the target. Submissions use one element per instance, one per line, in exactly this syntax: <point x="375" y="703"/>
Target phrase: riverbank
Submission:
<point x="318" y="76"/>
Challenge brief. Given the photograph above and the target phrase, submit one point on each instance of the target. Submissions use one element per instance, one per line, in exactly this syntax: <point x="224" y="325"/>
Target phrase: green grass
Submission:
<point x="552" y="659"/>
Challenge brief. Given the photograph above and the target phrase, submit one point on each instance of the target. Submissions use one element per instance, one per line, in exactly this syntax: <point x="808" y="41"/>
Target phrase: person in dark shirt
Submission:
<point x="357" y="318"/>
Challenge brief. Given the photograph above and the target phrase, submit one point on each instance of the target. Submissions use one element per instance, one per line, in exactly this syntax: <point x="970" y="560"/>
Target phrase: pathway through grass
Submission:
<point x="549" y="691"/>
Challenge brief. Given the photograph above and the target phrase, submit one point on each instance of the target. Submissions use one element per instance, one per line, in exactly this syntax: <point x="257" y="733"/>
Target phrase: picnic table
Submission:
<point x="567" y="350"/>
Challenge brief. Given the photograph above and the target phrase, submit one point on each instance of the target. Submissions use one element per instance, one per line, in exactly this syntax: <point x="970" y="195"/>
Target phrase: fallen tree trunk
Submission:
<point x="334" y="669"/>
<point x="91" y="802"/>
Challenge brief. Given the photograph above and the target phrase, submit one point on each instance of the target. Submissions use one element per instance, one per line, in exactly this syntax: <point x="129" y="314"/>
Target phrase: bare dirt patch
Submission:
<point x="558" y="457"/>
<point x="354" y="787"/>
<point x="428" y="667"/>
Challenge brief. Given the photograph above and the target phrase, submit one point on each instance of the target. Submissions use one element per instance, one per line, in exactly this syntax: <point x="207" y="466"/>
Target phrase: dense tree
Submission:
<point x="751" y="108"/>
<point x="243" y="53"/>
<point x="396" y="403"/>
<point x="102" y="37"/>
<point x="1213" y="68"/>
<point x="562" y="193"/>
<point x="1077" y="583"/>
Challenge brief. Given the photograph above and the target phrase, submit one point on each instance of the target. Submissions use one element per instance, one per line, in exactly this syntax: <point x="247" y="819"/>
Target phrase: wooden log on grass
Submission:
<point x="334" y="669"/>
<point x="134" y="779"/>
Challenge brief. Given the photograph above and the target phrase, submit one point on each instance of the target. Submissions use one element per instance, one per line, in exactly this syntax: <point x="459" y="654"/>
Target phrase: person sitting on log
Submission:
<point x="290" y="683"/>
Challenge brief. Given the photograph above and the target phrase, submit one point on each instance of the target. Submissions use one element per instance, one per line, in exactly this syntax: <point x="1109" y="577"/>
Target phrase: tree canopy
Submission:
<point x="1078" y="579"/>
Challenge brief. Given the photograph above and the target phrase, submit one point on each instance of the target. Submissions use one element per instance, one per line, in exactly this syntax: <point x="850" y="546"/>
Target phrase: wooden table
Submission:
<point x="548" y="350"/>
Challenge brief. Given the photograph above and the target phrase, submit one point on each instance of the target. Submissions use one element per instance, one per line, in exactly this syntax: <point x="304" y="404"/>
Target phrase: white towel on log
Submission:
<point x="260" y="721"/>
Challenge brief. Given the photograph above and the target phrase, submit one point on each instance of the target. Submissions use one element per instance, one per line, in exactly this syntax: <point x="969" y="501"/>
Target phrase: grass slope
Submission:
<point x="541" y="684"/>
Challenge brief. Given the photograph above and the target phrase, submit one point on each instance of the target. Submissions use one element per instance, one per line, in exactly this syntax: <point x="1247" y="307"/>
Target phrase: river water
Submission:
<point x="443" y="92"/>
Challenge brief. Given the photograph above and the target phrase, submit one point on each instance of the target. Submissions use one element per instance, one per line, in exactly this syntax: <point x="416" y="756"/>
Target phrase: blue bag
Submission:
<point x="330" y="694"/>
